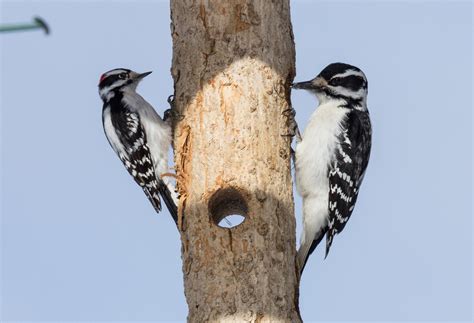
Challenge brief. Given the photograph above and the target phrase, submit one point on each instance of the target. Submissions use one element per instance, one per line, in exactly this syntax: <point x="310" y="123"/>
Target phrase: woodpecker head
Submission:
<point x="118" y="79"/>
<point x="338" y="81"/>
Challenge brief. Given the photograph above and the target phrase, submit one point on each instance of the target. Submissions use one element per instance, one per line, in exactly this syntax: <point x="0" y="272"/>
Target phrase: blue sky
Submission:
<point x="79" y="240"/>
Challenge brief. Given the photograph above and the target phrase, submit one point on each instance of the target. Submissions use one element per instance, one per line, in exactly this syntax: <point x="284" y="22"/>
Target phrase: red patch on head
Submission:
<point x="102" y="77"/>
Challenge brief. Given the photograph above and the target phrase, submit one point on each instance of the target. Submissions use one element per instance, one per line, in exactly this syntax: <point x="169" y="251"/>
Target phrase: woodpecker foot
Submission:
<point x="290" y="114"/>
<point x="171" y="112"/>
<point x="167" y="115"/>
<point x="170" y="101"/>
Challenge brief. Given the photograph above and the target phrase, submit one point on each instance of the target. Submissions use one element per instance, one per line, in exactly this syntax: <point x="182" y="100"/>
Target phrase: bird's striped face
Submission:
<point x="118" y="79"/>
<point x="338" y="81"/>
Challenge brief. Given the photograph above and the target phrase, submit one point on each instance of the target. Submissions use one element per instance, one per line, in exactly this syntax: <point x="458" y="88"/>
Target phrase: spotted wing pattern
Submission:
<point x="136" y="155"/>
<point x="347" y="172"/>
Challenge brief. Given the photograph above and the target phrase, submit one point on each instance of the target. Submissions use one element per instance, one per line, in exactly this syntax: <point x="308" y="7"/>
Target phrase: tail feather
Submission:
<point x="154" y="198"/>
<point x="329" y="238"/>
<point x="306" y="250"/>
<point x="170" y="202"/>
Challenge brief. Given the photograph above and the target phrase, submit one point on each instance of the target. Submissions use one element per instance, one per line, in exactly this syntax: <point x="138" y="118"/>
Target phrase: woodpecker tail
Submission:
<point x="153" y="194"/>
<point x="306" y="249"/>
<point x="170" y="198"/>
<point x="329" y="238"/>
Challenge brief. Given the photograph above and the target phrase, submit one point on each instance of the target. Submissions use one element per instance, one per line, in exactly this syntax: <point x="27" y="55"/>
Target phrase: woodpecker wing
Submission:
<point x="130" y="143"/>
<point x="137" y="157"/>
<point x="347" y="172"/>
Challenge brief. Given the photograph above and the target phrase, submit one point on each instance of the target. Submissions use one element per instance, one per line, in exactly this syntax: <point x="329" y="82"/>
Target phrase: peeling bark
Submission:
<point x="233" y="62"/>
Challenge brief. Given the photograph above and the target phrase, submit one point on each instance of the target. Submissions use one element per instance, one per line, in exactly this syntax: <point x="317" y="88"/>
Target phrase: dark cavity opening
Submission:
<point x="228" y="208"/>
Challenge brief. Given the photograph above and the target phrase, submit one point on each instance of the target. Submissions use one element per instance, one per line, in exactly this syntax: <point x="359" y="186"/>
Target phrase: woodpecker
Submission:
<point x="138" y="135"/>
<point x="332" y="155"/>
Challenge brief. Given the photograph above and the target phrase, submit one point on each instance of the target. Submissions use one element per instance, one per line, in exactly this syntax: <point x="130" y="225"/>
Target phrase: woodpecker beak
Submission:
<point x="315" y="84"/>
<point x="302" y="85"/>
<point x="138" y="77"/>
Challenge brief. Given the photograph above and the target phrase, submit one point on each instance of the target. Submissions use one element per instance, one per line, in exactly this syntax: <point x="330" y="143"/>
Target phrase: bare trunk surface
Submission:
<point x="233" y="62"/>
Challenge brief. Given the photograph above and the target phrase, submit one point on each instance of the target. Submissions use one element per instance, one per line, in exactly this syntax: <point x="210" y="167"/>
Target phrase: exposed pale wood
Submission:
<point x="233" y="62"/>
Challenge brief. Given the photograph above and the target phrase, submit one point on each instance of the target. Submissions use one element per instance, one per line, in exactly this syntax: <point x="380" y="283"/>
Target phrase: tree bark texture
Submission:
<point x="233" y="63"/>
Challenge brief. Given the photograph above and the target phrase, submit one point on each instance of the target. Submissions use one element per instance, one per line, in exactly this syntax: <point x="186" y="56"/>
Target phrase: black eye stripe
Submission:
<point x="353" y="82"/>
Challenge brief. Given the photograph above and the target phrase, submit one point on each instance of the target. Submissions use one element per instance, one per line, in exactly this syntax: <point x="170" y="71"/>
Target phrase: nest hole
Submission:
<point x="227" y="208"/>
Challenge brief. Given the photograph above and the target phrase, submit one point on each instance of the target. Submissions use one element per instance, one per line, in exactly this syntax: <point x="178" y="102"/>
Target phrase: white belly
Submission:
<point x="314" y="154"/>
<point x="316" y="151"/>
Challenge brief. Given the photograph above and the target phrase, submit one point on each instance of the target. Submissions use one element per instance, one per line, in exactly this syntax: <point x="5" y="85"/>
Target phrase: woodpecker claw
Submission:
<point x="171" y="112"/>
<point x="166" y="114"/>
<point x="170" y="101"/>
<point x="290" y="114"/>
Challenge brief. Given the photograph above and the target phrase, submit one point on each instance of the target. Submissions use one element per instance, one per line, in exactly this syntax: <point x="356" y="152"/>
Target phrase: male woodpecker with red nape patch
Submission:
<point x="138" y="135"/>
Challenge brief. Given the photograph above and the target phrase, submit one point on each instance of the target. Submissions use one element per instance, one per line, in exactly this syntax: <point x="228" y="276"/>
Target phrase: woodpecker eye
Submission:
<point x="335" y="81"/>
<point x="122" y="76"/>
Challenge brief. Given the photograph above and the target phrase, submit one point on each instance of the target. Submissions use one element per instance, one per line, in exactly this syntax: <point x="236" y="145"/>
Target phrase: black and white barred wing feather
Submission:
<point x="347" y="172"/>
<point x="128" y="138"/>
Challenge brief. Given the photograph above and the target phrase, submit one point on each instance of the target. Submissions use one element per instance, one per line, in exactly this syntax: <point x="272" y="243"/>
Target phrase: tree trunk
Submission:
<point x="233" y="63"/>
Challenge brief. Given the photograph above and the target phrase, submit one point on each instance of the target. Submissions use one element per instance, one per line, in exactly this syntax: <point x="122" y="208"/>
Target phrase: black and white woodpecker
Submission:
<point x="332" y="155"/>
<point x="138" y="135"/>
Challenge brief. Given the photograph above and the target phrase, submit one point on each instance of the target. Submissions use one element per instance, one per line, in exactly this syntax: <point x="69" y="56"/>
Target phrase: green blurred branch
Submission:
<point x="37" y="23"/>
